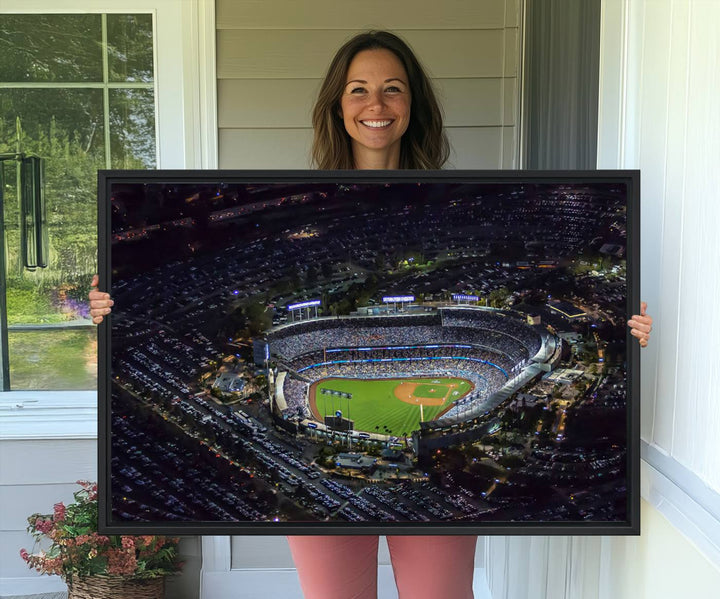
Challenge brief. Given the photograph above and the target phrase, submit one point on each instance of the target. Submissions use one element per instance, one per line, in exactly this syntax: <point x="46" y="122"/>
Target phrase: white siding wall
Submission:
<point x="271" y="57"/>
<point x="660" y="83"/>
<point x="671" y="130"/>
<point x="34" y="475"/>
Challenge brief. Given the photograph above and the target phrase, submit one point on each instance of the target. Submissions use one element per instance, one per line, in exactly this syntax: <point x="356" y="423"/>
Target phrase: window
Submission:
<point x="77" y="90"/>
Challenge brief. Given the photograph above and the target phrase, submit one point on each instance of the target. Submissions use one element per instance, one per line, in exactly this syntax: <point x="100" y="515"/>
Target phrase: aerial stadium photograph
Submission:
<point x="346" y="352"/>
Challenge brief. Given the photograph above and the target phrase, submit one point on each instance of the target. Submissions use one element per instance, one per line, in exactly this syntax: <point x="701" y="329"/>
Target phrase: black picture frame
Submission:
<point x="162" y="235"/>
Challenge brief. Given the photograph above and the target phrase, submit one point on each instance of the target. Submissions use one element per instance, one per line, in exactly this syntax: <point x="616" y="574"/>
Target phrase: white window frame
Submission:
<point x="186" y="132"/>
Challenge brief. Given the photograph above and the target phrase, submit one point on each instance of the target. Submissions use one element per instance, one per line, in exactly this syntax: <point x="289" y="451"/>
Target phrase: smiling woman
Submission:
<point x="375" y="108"/>
<point x="363" y="118"/>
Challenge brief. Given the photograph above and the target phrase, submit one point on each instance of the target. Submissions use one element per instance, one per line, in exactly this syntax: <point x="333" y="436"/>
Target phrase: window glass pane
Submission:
<point x="65" y="127"/>
<point x="132" y="128"/>
<point x="130" y="47"/>
<point x="53" y="121"/>
<point x="52" y="345"/>
<point x="50" y="48"/>
<point x="54" y="359"/>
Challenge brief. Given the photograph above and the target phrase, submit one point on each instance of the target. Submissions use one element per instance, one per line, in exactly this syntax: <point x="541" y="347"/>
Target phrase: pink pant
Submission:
<point x="345" y="567"/>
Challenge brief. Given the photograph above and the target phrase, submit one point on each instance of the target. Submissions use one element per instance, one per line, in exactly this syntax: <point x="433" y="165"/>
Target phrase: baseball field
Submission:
<point x="387" y="406"/>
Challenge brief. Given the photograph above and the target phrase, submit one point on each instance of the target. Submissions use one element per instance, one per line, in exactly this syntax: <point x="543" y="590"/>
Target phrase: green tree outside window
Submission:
<point x="78" y="91"/>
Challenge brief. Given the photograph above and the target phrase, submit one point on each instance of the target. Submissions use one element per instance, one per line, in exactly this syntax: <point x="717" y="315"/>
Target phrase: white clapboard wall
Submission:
<point x="271" y="57"/>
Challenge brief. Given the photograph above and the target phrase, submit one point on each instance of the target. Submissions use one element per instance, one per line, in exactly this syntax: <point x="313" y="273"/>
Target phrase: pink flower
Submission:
<point x="53" y="565"/>
<point x="72" y="554"/>
<point x="44" y="526"/>
<point x="121" y="562"/>
<point x="128" y="542"/>
<point x="145" y="539"/>
<point x="89" y="488"/>
<point x="59" y="512"/>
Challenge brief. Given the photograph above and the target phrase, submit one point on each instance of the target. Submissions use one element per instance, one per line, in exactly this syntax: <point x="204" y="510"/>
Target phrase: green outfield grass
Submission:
<point x="374" y="407"/>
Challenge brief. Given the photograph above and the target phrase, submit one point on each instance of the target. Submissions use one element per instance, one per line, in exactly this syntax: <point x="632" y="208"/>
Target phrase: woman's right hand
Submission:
<point x="100" y="302"/>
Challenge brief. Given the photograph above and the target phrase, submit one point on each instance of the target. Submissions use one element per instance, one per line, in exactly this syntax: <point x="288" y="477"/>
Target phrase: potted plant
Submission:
<point x="93" y="565"/>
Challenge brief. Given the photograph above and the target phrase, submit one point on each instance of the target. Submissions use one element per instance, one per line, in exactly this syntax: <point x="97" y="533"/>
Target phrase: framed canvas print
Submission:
<point x="394" y="352"/>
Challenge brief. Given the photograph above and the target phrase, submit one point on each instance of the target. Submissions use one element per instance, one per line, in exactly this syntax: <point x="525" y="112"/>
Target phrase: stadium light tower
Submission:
<point x="299" y="307"/>
<point x="461" y="297"/>
<point x="398" y="299"/>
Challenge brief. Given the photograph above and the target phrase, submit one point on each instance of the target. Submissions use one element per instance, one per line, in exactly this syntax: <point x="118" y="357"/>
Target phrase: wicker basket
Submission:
<point x="116" y="587"/>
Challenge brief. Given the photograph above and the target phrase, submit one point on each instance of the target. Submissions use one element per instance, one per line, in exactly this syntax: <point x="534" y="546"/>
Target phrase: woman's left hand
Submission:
<point x="641" y="325"/>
